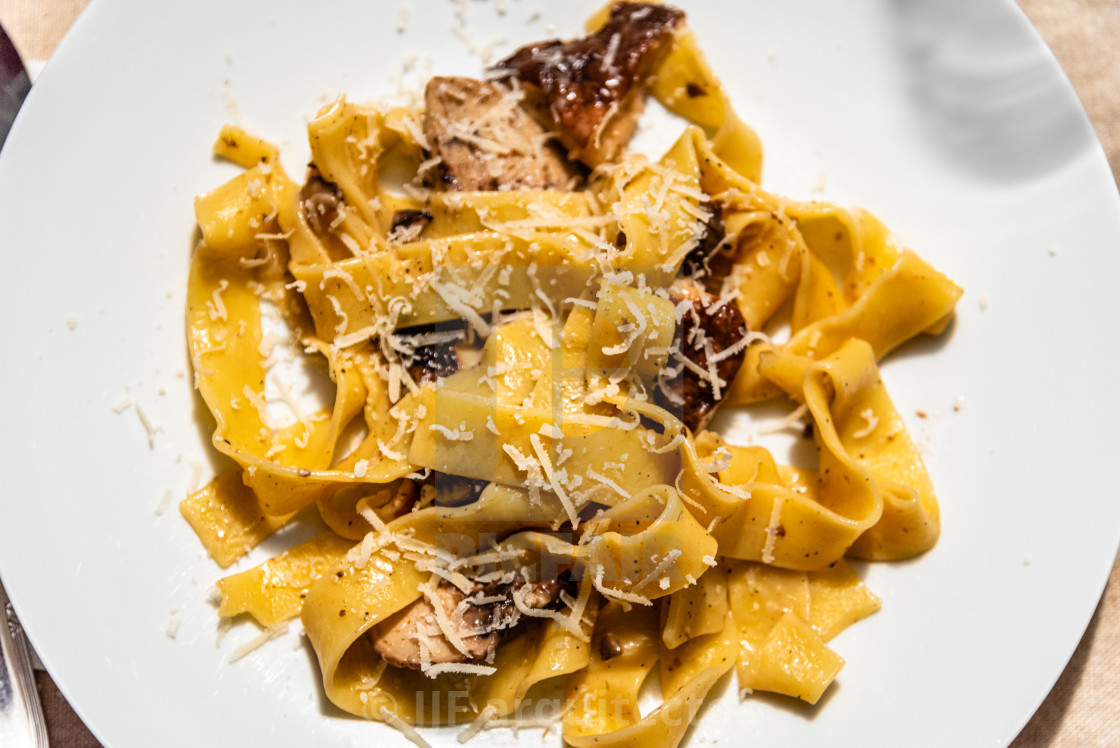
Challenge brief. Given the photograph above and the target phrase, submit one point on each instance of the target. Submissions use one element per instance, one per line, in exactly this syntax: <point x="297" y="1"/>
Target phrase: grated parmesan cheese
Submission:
<point x="869" y="416"/>
<point x="258" y="402"/>
<point x="149" y="430"/>
<point x="164" y="503"/>
<point x="448" y="631"/>
<point x="258" y="641"/>
<point x="721" y="463"/>
<point x="772" y="531"/>
<point x="613" y="594"/>
<point x="459" y="434"/>
<point x="216" y="308"/>
<point x="785" y="422"/>
<point x="659" y="570"/>
<point x="454" y="298"/>
<point x="607" y="482"/>
<point x="410" y="733"/>
<point x="478" y="724"/>
<point x="546" y="464"/>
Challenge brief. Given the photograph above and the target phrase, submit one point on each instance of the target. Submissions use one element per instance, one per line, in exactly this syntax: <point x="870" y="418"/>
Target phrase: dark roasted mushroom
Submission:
<point x="592" y="89"/>
<point x="609" y="647"/>
<point x="404" y="499"/>
<point x="431" y="362"/>
<point x="706" y="326"/>
<point x="695" y="263"/>
<point x="408" y="225"/>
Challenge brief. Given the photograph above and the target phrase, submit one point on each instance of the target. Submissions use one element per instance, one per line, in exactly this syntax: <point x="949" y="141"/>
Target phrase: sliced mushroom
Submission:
<point x="398" y="639"/>
<point x="319" y="201"/>
<point x="532" y="595"/>
<point x="707" y="326"/>
<point x="427" y="363"/>
<point x="455" y="490"/>
<point x="486" y="139"/>
<point x="404" y="499"/>
<point x="477" y="620"/>
<point x="408" y="225"/>
<point x="592" y="89"/>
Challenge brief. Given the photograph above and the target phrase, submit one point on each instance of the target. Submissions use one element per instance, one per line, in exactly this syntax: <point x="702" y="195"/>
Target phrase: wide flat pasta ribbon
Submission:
<point x="603" y="698"/>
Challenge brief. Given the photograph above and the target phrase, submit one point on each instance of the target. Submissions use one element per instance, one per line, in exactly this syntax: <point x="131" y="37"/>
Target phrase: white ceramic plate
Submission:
<point x="950" y="120"/>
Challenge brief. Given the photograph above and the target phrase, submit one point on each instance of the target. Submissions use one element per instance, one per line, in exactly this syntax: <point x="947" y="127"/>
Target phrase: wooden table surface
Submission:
<point x="1082" y="710"/>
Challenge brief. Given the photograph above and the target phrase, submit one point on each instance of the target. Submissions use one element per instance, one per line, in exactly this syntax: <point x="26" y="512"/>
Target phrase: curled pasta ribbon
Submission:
<point x="338" y="610"/>
<point x="863" y="438"/>
<point x="647" y="548"/>
<point x="603" y="697"/>
<point x="698" y="610"/>
<point x="287" y="469"/>
<point x="784" y="248"/>
<point x="239" y="266"/>
<point x="358" y="681"/>
<point x="686" y="85"/>
<point x="871" y="496"/>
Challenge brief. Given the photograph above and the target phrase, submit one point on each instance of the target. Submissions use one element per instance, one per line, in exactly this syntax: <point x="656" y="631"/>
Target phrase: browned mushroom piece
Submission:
<point x="404" y="499"/>
<point x="428" y="352"/>
<point x="706" y="326"/>
<point x="427" y="363"/>
<point x="696" y="263"/>
<point x="431" y="362"/>
<point x="487" y="140"/>
<point x="319" y="201"/>
<point x="478" y="620"/>
<point x="592" y="89"/>
<point x="456" y="490"/>
<point x="532" y="595"/>
<point x="398" y="639"/>
<point x="408" y="225"/>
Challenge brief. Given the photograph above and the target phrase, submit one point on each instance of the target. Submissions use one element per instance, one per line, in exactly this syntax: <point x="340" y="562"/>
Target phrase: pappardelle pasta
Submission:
<point x="528" y="335"/>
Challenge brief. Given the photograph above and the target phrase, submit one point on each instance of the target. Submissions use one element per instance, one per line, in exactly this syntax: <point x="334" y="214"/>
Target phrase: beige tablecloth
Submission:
<point x="1081" y="711"/>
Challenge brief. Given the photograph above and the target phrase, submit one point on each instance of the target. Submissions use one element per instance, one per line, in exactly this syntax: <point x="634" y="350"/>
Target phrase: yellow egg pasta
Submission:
<point x="525" y="337"/>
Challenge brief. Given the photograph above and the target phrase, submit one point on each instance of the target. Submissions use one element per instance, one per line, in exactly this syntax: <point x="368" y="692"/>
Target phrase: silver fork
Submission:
<point x="21" y="715"/>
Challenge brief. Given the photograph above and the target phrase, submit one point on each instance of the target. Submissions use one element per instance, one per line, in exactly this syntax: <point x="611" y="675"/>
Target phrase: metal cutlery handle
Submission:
<point x="21" y="715"/>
